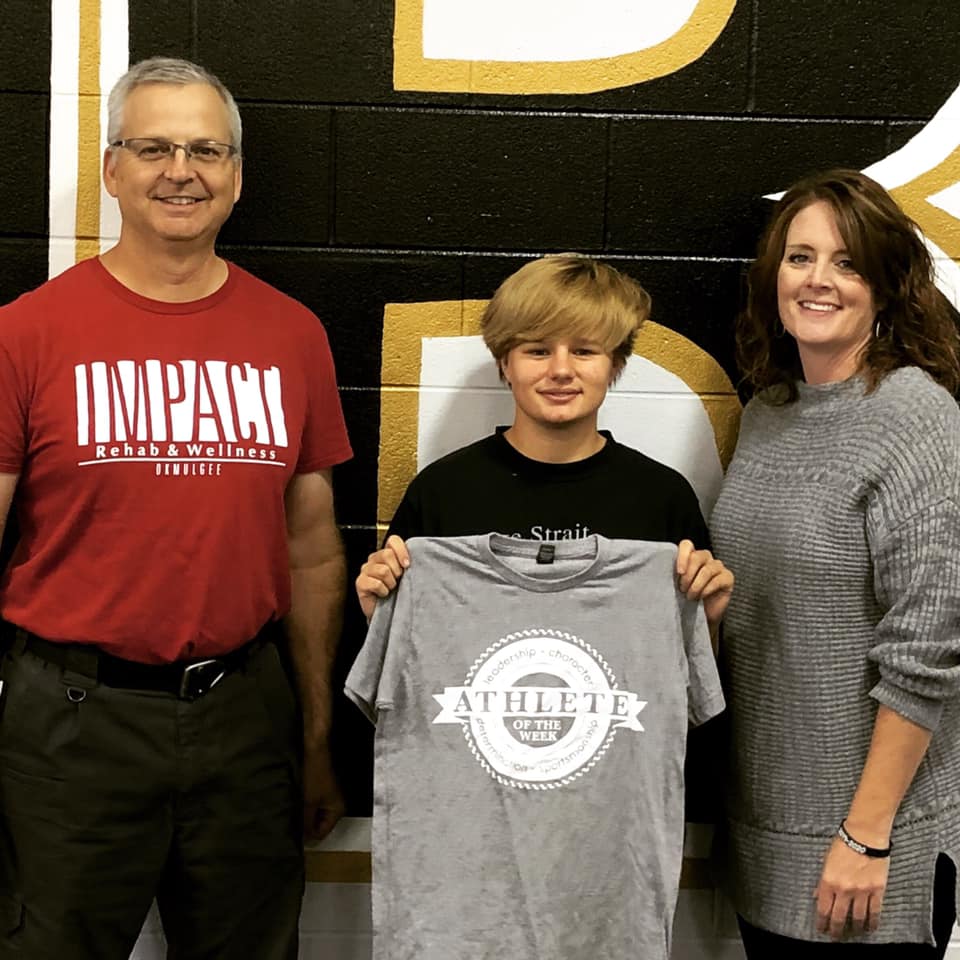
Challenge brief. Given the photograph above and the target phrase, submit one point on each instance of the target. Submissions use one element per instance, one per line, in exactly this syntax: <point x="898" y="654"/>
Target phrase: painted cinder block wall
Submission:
<point x="357" y="195"/>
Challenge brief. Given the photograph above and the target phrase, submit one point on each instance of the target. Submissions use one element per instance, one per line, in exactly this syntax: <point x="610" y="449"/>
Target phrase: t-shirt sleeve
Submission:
<point x="704" y="694"/>
<point x="372" y="681"/>
<point x="324" y="442"/>
<point x="407" y="521"/>
<point x="686" y="520"/>
<point x="14" y="394"/>
<point x="692" y="526"/>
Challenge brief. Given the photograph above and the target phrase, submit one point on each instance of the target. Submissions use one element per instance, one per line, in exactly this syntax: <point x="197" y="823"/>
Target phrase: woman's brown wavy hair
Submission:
<point x="915" y="325"/>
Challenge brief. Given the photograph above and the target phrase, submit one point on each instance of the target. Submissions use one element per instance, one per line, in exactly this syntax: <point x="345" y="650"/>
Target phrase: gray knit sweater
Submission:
<point x="840" y="516"/>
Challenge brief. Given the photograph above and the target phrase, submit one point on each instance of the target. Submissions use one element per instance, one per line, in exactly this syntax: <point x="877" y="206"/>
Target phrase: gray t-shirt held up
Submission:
<point x="531" y="725"/>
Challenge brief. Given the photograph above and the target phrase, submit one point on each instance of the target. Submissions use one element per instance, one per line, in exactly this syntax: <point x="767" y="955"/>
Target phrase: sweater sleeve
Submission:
<point x="914" y="530"/>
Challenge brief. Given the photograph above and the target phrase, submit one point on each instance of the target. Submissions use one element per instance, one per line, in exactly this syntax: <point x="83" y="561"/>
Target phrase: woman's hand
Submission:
<point x="851" y="884"/>
<point x="703" y="577"/>
<point x="381" y="573"/>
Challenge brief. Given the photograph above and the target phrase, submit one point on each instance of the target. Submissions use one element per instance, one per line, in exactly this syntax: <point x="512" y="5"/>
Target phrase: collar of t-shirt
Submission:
<point x="518" y="463"/>
<point x="168" y="307"/>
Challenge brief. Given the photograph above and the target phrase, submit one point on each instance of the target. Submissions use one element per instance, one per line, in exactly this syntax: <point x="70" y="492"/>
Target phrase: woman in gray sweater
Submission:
<point x="841" y="516"/>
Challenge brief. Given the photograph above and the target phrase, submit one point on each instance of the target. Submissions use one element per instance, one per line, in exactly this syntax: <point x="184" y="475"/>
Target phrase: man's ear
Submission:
<point x="108" y="171"/>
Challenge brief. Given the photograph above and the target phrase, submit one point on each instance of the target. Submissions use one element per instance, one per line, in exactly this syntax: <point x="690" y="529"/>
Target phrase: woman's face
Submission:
<point x="825" y="305"/>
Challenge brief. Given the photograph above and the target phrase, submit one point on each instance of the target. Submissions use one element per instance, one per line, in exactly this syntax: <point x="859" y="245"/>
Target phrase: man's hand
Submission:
<point x="850" y="884"/>
<point x="381" y="573"/>
<point x="703" y="577"/>
<point x="322" y="800"/>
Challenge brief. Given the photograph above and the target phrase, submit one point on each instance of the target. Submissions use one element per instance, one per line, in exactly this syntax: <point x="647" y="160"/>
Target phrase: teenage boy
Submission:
<point x="560" y="330"/>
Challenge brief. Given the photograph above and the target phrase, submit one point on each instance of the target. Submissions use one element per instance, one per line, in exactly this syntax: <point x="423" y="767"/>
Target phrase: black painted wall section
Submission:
<point x="356" y="195"/>
<point x="25" y="46"/>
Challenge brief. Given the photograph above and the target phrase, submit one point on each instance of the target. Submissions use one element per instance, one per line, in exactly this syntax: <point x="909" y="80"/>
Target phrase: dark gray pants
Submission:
<point x="111" y="797"/>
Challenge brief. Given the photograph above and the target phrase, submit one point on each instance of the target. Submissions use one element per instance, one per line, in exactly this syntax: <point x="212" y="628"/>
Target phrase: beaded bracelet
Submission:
<point x="875" y="852"/>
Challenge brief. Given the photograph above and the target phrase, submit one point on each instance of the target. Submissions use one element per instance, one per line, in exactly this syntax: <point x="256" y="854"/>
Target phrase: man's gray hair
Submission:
<point x="167" y="70"/>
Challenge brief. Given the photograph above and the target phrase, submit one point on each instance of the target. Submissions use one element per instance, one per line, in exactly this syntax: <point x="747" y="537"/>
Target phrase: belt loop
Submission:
<point x="80" y="668"/>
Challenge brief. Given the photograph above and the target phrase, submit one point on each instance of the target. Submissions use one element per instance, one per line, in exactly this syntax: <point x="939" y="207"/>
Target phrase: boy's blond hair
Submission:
<point x="566" y="295"/>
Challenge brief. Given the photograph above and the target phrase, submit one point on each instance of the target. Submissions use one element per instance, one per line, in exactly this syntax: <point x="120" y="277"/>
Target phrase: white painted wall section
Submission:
<point x="548" y="30"/>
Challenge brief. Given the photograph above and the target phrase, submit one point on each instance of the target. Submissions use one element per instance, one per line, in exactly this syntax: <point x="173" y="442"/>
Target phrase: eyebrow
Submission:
<point x="808" y="246"/>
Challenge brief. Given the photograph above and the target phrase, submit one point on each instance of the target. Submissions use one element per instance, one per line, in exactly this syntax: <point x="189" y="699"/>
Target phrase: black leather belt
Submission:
<point x="186" y="679"/>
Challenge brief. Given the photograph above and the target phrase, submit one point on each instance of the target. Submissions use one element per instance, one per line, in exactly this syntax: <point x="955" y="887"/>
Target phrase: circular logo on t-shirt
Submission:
<point x="539" y="708"/>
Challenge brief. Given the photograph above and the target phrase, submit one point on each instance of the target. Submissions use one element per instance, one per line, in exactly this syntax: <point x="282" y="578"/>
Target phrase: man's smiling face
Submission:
<point x="173" y="199"/>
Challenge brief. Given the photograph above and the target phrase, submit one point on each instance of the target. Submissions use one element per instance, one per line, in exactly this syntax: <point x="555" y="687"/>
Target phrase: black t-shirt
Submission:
<point x="490" y="487"/>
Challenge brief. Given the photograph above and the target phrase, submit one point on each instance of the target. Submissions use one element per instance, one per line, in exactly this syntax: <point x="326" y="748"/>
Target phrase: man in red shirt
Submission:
<point x="168" y="425"/>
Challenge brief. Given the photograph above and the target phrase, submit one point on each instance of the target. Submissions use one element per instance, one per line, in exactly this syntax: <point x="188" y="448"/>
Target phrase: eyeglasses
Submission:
<point x="153" y="149"/>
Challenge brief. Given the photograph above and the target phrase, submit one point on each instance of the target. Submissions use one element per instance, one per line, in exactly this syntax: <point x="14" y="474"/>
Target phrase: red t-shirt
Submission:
<point x="154" y="442"/>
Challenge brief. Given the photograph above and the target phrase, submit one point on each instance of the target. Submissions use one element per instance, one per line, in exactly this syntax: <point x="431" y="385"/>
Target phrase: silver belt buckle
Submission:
<point x="193" y="682"/>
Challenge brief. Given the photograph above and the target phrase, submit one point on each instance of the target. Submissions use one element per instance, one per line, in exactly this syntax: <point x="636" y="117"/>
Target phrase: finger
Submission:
<point x="383" y="558"/>
<point x="874" y="910"/>
<point x="379" y="580"/>
<point x="684" y="549"/>
<point x="379" y="586"/>
<point x="700" y="575"/>
<point x="368" y="604"/>
<point x="717" y="586"/>
<point x="323" y="820"/>
<point x="720" y="584"/>
<point x="824" y="906"/>
<point x="389" y="573"/>
<point x="715" y="607"/>
<point x="399" y="548"/>
<point x="694" y="563"/>
<point x="860" y="911"/>
<point x="839" y="914"/>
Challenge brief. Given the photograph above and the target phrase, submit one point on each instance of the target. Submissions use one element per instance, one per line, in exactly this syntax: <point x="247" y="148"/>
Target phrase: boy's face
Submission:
<point x="558" y="382"/>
